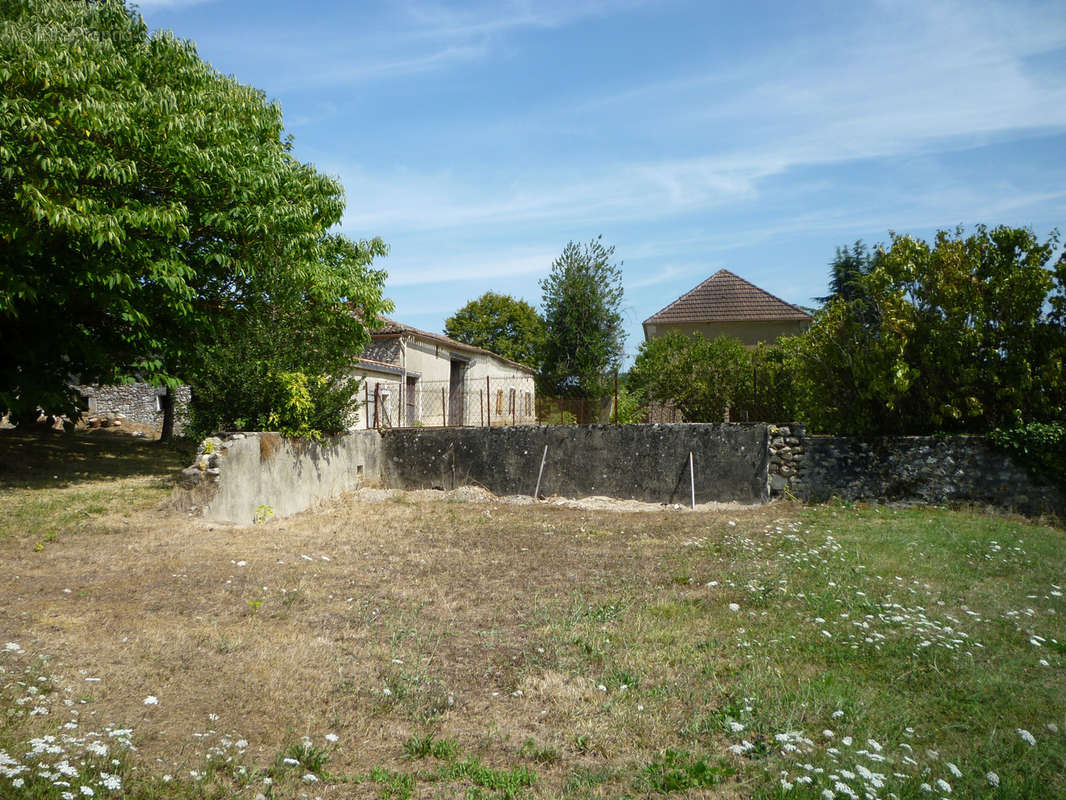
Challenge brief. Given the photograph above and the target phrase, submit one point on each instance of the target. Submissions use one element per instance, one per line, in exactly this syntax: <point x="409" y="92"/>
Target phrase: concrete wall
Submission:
<point x="239" y="475"/>
<point x="642" y="462"/>
<point x="749" y="333"/>
<point x="429" y="362"/>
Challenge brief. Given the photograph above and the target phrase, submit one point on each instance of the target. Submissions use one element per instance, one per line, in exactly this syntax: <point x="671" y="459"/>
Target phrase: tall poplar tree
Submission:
<point x="582" y="308"/>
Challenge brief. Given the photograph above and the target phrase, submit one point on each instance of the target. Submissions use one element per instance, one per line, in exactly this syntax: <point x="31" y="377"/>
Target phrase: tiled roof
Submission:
<point x="391" y="328"/>
<point x="725" y="297"/>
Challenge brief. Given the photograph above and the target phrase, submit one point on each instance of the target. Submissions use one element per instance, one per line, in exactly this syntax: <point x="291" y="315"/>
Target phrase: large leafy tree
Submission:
<point x="969" y="334"/>
<point x="582" y="301"/>
<point x="503" y="324"/>
<point x="700" y="377"/>
<point x="146" y="202"/>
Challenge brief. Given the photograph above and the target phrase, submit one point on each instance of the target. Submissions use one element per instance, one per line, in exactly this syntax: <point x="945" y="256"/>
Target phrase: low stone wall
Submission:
<point x="923" y="469"/>
<point x="246" y="477"/>
<point x="641" y="462"/>
<point x="137" y="402"/>
<point x="239" y="477"/>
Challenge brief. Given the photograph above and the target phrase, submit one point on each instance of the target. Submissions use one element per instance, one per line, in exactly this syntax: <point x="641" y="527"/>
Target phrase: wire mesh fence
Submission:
<point x="410" y="402"/>
<point x="415" y="403"/>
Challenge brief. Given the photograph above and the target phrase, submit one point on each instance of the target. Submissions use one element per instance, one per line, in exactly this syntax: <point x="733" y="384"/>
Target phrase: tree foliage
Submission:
<point x="582" y="300"/>
<point x="700" y="377"/>
<point x="503" y="324"/>
<point x="969" y="333"/>
<point x="150" y="209"/>
<point x="846" y="271"/>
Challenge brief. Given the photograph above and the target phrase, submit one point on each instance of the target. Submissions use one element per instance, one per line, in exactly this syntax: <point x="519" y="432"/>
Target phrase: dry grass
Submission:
<point x="580" y="644"/>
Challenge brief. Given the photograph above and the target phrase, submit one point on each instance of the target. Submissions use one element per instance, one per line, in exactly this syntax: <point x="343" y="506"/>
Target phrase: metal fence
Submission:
<point x="473" y="403"/>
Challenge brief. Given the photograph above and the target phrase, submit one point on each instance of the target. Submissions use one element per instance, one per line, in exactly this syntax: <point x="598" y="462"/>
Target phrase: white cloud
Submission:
<point x="921" y="79"/>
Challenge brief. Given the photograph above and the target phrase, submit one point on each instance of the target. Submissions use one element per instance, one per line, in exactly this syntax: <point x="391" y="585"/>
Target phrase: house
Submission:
<point x="727" y="305"/>
<point x="413" y="377"/>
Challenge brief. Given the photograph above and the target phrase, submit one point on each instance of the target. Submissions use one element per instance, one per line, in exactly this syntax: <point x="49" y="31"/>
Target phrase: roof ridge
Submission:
<point x="726" y="296"/>
<point x="403" y="327"/>
<point x="690" y="291"/>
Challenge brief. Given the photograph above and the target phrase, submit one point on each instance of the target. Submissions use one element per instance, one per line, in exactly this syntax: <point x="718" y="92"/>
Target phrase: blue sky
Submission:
<point x="477" y="139"/>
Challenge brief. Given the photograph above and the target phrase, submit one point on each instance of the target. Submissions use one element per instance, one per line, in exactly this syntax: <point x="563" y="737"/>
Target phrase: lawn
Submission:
<point x="421" y="647"/>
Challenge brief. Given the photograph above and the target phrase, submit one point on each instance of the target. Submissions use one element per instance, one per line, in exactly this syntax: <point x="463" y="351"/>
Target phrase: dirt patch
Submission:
<point x="381" y="616"/>
<point x="477" y="494"/>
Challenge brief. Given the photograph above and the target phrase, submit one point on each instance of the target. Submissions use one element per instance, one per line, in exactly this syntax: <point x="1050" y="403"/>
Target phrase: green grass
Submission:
<point x="54" y="483"/>
<point x="882" y="649"/>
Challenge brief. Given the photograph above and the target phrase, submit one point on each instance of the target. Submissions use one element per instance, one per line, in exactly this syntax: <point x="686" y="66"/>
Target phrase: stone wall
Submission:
<point x="921" y="469"/>
<point x="137" y="402"/>
<point x="239" y="476"/>
<point x="641" y="462"/>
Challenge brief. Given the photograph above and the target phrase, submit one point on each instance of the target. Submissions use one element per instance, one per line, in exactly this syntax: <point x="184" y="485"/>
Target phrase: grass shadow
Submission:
<point x="58" y="459"/>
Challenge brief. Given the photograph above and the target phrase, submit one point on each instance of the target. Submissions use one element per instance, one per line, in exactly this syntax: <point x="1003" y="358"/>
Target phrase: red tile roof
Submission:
<point x="725" y="297"/>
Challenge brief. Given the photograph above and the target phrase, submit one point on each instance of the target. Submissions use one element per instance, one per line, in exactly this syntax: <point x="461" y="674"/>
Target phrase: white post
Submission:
<point x="692" y="479"/>
<point x="536" y="492"/>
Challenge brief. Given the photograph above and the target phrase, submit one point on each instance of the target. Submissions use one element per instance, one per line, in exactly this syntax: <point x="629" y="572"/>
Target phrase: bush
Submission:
<point x="1040" y="446"/>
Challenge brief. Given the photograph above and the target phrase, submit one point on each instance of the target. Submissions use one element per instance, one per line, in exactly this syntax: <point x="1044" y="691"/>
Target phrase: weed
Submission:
<point x="227" y="644"/>
<point x="262" y="514"/>
<point x="423" y="746"/>
<point x="677" y="771"/>
<point x="306" y="755"/>
<point x="540" y="754"/>
<point x="398" y="785"/>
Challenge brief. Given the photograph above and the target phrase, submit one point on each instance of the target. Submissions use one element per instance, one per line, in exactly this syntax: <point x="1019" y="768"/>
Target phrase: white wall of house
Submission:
<point x="440" y="385"/>
<point x="749" y="332"/>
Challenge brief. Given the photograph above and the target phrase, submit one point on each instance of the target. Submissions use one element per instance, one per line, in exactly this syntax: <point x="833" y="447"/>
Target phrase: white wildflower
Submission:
<point x="734" y="607"/>
<point x="837" y="714"/>
<point x="87" y="791"/>
<point x="993" y="779"/>
<point x="828" y="734"/>
<point x="735" y="727"/>
<point x="943" y="786"/>
<point x="332" y="737"/>
<point x="1026" y="736"/>
<point x="953" y="769"/>
<point x="151" y="700"/>
<point x="310" y="777"/>
<point x="111" y="782"/>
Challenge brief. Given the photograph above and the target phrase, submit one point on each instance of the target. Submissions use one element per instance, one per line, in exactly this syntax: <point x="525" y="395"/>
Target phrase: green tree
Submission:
<point x="846" y="270"/>
<point x="700" y="377"/>
<point x="145" y="202"/>
<point x="582" y="300"/>
<point x="968" y="334"/>
<point x="503" y="324"/>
